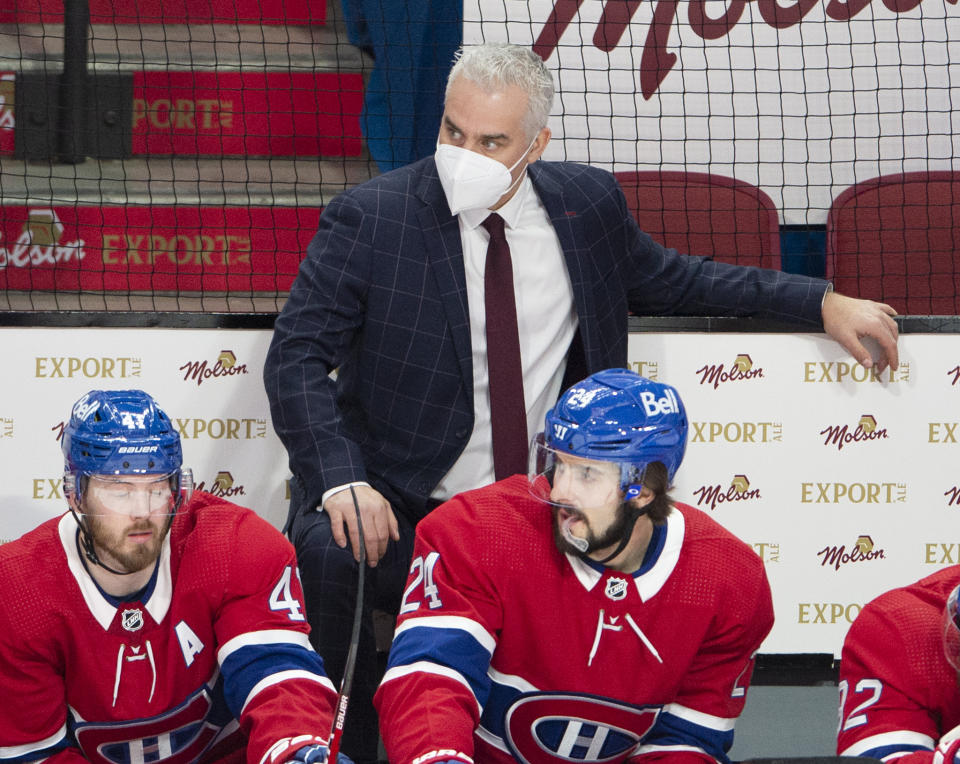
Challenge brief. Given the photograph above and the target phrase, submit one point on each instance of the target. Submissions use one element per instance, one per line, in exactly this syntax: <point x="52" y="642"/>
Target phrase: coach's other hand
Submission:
<point x="848" y="319"/>
<point x="379" y="522"/>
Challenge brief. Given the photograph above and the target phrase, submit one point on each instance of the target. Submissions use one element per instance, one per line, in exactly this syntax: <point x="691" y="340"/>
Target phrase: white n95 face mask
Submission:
<point x="472" y="181"/>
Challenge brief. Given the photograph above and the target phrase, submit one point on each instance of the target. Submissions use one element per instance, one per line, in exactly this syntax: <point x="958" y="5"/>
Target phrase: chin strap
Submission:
<point x="624" y="540"/>
<point x="86" y="548"/>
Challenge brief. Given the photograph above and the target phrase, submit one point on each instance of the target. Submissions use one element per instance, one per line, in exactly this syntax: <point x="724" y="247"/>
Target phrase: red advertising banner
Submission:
<point x="7" y="120"/>
<point x="233" y="113"/>
<point x="173" y="12"/>
<point x="154" y="248"/>
<point x="247" y="113"/>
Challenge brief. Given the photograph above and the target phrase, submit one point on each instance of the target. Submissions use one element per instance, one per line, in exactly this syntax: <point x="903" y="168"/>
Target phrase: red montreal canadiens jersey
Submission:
<point x="898" y="693"/>
<point x="507" y="650"/>
<point x="216" y="658"/>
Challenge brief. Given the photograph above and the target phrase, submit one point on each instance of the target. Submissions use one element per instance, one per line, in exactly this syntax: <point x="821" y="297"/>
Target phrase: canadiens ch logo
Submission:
<point x="132" y="620"/>
<point x="178" y="736"/>
<point x="550" y="728"/>
<point x="616" y="588"/>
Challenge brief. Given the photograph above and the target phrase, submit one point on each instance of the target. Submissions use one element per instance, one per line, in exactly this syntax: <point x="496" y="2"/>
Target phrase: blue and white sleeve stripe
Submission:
<point x="253" y="661"/>
<point x="887" y="745"/>
<point x="450" y="646"/>
<point x="679" y="728"/>
<point x="40" y="749"/>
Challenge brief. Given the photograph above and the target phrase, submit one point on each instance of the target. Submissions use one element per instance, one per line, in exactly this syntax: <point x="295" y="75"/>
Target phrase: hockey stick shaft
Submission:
<point x="343" y="697"/>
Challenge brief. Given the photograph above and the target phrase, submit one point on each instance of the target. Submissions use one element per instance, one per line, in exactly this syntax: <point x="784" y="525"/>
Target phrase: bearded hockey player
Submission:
<point x="146" y="625"/>
<point x="899" y="688"/>
<point x="577" y="614"/>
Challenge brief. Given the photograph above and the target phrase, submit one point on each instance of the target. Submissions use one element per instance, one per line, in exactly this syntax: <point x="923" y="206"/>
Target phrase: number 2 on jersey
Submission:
<point x="856" y="717"/>
<point x="421" y="570"/>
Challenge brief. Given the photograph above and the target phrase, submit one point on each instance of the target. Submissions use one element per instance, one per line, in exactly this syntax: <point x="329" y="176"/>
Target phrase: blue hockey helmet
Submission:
<point x="618" y="416"/>
<point x="121" y="432"/>
<point x="598" y="441"/>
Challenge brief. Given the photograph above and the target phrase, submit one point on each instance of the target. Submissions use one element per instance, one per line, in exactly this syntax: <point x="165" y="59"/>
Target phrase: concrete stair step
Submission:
<point x="184" y="181"/>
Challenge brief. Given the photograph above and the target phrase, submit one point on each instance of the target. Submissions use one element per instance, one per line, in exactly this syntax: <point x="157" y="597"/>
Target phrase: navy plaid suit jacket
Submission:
<point x="381" y="297"/>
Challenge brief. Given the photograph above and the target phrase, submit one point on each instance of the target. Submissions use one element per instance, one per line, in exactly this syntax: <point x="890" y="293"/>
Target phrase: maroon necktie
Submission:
<point x="508" y="414"/>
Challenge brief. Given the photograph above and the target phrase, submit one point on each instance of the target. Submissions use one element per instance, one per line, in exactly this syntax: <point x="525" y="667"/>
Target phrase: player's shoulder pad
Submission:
<point x="211" y="526"/>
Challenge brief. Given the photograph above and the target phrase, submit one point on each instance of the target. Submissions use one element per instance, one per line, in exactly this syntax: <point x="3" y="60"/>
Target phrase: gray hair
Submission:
<point x="498" y="65"/>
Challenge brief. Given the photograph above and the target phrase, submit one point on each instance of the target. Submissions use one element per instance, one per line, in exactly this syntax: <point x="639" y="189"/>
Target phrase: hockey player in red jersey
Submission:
<point x="145" y="625"/>
<point x="899" y="691"/>
<point x="577" y="614"/>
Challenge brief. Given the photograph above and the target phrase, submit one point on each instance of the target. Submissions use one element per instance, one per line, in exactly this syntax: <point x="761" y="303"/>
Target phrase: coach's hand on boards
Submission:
<point x="849" y="319"/>
<point x="379" y="522"/>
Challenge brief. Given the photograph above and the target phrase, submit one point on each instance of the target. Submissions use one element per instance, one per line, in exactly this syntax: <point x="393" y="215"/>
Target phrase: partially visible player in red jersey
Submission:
<point x="578" y="614"/>
<point x="899" y="689"/>
<point x="148" y="625"/>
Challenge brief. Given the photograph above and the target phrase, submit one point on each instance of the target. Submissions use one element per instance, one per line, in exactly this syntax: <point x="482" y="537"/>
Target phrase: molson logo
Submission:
<point x="656" y="61"/>
<point x="91" y="367"/>
<point x="737" y="432"/>
<point x="225" y="366"/>
<point x="741" y="369"/>
<point x="41" y="242"/>
<point x="648" y="369"/>
<point x="767" y="551"/>
<point x="223" y="486"/>
<point x="853" y="493"/>
<point x="222" y="428"/>
<point x="863" y="551"/>
<point x="738" y="490"/>
<point x="826" y="372"/>
<point x="866" y="429"/>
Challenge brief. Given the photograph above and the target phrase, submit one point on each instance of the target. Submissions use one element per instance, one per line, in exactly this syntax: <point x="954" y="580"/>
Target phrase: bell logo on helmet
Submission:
<point x="668" y="404"/>
<point x="84" y="407"/>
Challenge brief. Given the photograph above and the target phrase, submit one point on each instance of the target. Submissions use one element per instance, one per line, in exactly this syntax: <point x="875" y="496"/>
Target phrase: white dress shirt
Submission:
<point x="546" y="320"/>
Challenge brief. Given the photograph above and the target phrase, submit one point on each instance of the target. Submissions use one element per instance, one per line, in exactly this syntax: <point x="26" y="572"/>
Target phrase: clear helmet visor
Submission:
<point x="137" y="494"/>
<point x="579" y="489"/>
<point x="951" y="630"/>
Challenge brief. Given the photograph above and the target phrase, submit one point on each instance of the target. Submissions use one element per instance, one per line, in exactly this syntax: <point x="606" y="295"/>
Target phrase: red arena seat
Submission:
<point x="705" y="214"/>
<point x="895" y="238"/>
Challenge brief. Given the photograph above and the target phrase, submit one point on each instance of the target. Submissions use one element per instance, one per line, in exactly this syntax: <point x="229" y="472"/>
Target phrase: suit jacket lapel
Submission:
<point x="564" y="212"/>
<point x="444" y="258"/>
